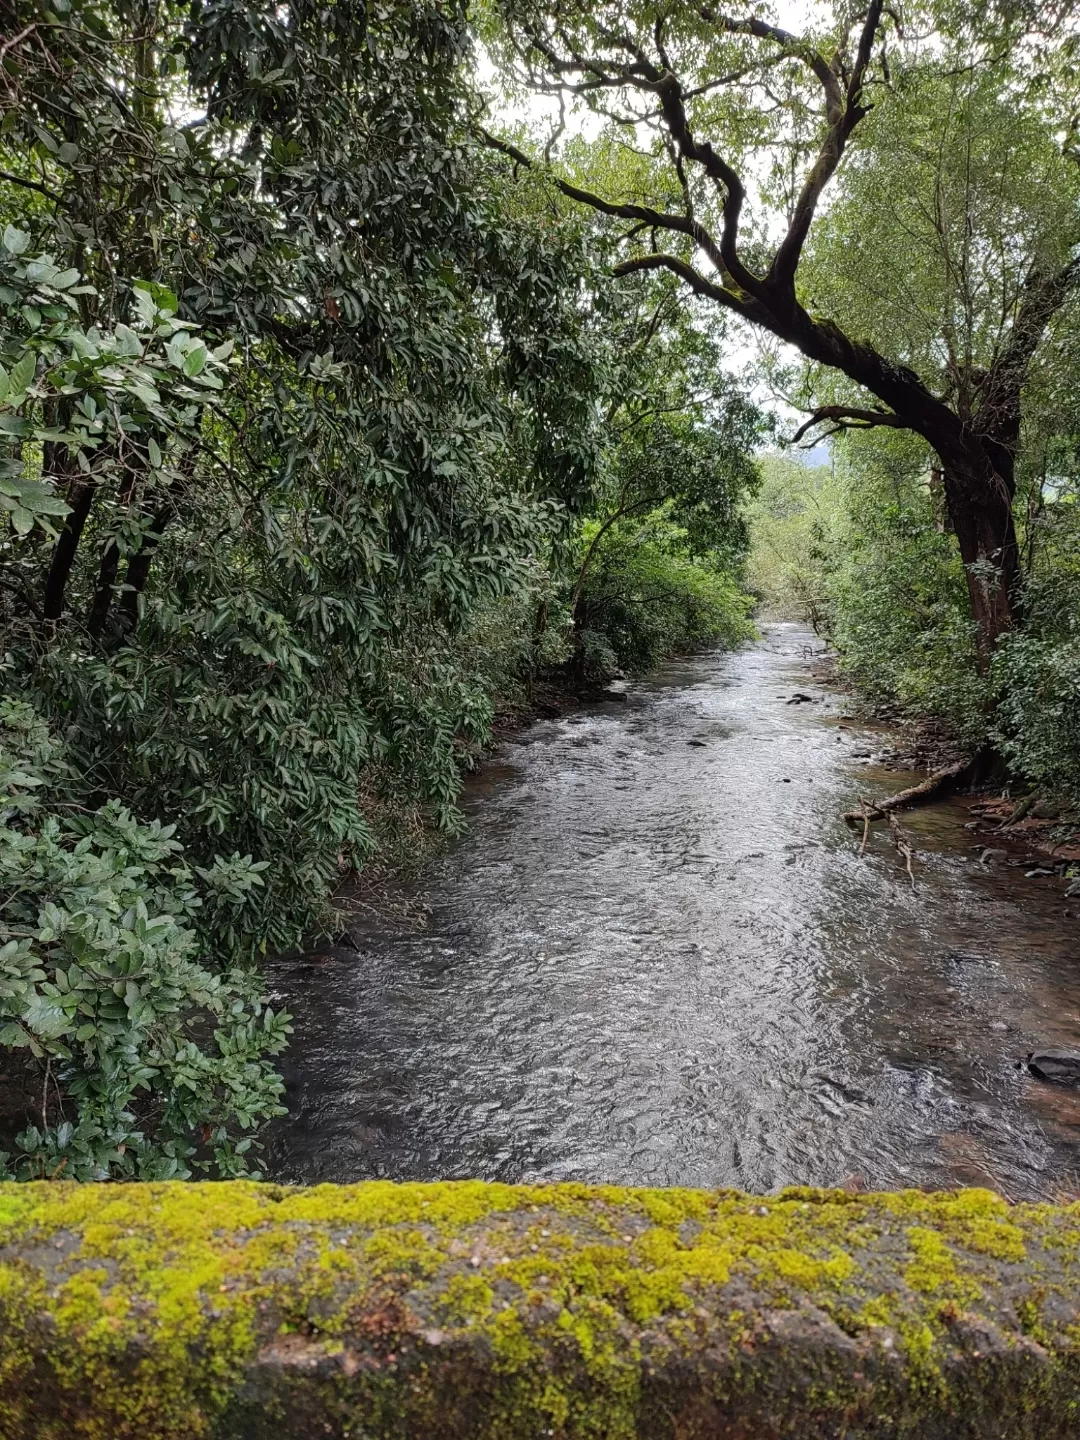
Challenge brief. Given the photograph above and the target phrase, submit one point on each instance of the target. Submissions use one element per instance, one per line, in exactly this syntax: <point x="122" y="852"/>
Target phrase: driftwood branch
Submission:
<point x="901" y="844"/>
<point x="867" y="813"/>
<point x="926" y="790"/>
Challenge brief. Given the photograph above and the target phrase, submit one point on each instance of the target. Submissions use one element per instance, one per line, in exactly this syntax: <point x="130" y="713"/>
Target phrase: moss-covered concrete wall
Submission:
<point x="470" y="1312"/>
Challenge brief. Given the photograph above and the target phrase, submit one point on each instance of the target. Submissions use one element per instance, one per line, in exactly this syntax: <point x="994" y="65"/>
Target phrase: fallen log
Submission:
<point x="465" y="1311"/>
<point x="926" y="790"/>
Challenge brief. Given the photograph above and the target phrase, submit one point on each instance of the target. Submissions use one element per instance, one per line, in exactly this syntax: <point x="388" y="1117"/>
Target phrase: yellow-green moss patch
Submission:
<point x="500" y="1312"/>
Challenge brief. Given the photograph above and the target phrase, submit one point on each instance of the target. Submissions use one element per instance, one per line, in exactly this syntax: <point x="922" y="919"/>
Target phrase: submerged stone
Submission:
<point x="1056" y="1066"/>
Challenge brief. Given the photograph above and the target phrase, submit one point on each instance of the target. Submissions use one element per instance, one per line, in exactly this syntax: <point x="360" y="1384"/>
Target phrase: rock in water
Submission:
<point x="615" y="690"/>
<point x="1055" y="1065"/>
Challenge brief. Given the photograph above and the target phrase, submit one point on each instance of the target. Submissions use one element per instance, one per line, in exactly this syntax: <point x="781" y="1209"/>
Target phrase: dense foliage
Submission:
<point x="305" y="396"/>
<point x="153" y="1062"/>
<point x="863" y="550"/>
<point x="648" y="596"/>
<point x="334" y="409"/>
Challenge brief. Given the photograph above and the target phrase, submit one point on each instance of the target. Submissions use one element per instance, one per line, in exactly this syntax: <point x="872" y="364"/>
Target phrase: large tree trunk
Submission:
<point x="979" y="487"/>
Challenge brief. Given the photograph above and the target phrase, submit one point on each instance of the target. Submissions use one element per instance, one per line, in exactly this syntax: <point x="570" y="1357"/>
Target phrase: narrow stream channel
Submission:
<point x="657" y="958"/>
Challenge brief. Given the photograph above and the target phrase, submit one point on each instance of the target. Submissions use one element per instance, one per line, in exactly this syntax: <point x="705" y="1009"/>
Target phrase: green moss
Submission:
<point x="161" y="1298"/>
<point x="466" y="1298"/>
<point x="933" y="1270"/>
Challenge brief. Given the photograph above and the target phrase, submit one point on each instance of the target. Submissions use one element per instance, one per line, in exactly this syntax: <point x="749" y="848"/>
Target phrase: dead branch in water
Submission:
<point x="867" y="816"/>
<point x="913" y="795"/>
<point x="870" y="812"/>
<point x="902" y="845"/>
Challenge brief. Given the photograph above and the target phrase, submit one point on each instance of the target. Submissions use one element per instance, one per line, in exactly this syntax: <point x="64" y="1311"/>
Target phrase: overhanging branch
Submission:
<point x="700" y="284"/>
<point x="848" y="417"/>
<point x="628" y="210"/>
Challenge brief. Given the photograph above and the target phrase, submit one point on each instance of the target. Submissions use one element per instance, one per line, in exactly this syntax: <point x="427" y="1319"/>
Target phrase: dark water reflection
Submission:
<point x="657" y="958"/>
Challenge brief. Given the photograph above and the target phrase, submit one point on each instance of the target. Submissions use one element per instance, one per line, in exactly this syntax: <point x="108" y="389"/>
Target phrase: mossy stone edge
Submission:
<point x="468" y="1311"/>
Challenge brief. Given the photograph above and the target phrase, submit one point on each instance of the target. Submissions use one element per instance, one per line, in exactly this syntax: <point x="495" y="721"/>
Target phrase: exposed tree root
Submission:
<point x="1018" y="814"/>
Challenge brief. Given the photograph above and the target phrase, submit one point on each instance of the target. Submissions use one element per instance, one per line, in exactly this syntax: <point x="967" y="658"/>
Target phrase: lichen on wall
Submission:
<point x="468" y="1311"/>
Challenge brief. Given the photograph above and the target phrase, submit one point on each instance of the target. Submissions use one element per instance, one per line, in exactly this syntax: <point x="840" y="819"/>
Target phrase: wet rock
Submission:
<point x="700" y="744"/>
<point x="801" y="698"/>
<point x="614" y="690"/>
<point x="992" y="854"/>
<point x="1056" y="1066"/>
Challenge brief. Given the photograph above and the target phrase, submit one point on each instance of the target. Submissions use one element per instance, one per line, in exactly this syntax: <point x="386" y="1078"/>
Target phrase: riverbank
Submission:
<point x="1022" y="828"/>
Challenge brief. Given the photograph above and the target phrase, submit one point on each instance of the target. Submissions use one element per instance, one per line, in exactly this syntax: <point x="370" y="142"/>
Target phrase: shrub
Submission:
<point x="148" y="1064"/>
<point x="1038" y="727"/>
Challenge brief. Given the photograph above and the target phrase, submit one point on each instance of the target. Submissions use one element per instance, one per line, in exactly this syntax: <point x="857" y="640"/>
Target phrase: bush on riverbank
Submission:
<point x="153" y="1064"/>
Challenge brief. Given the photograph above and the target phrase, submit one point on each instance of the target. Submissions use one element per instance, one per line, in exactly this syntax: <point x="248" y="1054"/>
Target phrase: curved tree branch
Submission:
<point x="848" y="417"/>
<point x="699" y="283"/>
<point x="843" y="113"/>
<point x="643" y="214"/>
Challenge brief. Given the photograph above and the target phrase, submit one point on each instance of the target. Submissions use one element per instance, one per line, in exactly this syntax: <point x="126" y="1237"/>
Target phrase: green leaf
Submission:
<point x="22" y="372"/>
<point x="46" y="1019"/>
<point x="15" y="241"/>
<point x="195" y="361"/>
<point x="129" y="341"/>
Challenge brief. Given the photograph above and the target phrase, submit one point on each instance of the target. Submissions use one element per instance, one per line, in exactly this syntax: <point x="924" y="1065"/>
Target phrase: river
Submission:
<point x="657" y="958"/>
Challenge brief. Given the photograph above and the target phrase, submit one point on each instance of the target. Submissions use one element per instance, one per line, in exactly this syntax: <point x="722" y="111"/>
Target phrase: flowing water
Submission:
<point x="657" y="958"/>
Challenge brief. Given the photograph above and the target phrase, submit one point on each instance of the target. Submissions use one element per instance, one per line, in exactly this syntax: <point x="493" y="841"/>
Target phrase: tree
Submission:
<point x="677" y="434"/>
<point x="744" y="126"/>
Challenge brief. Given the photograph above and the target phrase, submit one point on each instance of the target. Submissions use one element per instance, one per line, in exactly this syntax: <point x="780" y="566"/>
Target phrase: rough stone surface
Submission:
<point x="466" y="1311"/>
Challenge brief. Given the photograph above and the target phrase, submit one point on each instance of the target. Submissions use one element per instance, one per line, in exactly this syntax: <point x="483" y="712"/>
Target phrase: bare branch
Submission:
<point x="793" y="45"/>
<point x="720" y="172"/>
<point x="17" y="39"/>
<point x="848" y="417"/>
<point x="623" y="210"/>
<point x="843" y="113"/>
<point x="52" y="195"/>
<point x="699" y="283"/>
